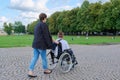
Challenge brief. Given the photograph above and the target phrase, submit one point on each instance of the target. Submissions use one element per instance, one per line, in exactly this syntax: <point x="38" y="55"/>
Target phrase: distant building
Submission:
<point x="2" y="32"/>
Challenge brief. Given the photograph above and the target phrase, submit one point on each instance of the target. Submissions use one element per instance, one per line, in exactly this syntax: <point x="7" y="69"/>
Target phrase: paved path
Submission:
<point x="95" y="63"/>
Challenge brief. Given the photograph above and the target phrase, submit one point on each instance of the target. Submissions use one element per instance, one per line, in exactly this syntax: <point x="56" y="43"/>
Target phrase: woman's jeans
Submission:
<point x="35" y="58"/>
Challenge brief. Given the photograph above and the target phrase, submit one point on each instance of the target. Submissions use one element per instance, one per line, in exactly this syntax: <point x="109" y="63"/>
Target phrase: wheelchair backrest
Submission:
<point x="59" y="50"/>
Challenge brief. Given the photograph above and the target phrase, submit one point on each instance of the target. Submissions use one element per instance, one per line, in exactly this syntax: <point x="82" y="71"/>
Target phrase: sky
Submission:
<point x="27" y="11"/>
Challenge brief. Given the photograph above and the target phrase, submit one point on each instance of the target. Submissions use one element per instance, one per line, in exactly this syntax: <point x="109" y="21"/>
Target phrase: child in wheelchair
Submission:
<point x="60" y="48"/>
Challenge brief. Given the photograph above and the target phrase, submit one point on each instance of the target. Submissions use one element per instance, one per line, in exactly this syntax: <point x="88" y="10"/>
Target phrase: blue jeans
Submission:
<point x="35" y="58"/>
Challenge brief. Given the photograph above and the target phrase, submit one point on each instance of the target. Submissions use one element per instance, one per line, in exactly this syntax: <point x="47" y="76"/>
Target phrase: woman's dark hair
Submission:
<point x="42" y="16"/>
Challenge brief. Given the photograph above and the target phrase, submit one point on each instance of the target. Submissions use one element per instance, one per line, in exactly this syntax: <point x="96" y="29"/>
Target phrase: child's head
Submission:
<point x="60" y="34"/>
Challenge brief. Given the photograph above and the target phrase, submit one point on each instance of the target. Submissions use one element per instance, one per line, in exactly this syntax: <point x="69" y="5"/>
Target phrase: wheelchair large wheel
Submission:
<point x="65" y="62"/>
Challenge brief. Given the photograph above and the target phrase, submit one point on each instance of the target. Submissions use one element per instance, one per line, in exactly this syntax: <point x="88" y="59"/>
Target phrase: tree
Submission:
<point x="73" y="19"/>
<point x="30" y="27"/>
<point x="85" y="17"/>
<point x="115" y="17"/>
<point x="53" y="22"/>
<point x="89" y="18"/>
<point x="19" y="27"/>
<point x="7" y="28"/>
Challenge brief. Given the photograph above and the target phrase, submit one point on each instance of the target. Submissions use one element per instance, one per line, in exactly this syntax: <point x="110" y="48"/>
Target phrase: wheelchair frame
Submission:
<point x="64" y="63"/>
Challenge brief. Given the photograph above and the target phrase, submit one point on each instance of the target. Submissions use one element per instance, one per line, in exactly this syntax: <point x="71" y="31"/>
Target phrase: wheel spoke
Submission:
<point x="65" y="62"/>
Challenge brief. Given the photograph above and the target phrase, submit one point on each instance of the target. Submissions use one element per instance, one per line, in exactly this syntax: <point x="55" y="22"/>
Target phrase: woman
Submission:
<point x="42" y="41"/>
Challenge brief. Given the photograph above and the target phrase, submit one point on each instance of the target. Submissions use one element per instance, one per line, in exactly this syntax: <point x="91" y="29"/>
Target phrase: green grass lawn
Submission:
<point x="16" y="41"/>
<point x="92" y="40"/>
<point x="26" y="40"/>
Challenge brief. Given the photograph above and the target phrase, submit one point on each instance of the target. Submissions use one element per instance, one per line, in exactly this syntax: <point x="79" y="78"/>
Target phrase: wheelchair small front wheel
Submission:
<point x="65" y="62"/>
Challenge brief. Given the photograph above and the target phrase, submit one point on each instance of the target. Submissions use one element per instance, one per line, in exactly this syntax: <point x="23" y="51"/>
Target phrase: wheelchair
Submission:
<point x="65" y="60"/>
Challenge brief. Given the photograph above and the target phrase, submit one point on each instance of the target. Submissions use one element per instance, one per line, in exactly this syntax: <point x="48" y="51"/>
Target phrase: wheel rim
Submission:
<point x="65" y="62"/>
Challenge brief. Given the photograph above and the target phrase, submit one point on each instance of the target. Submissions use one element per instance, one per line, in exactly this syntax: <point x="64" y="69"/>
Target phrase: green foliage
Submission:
<point x="89" y="18"/>
<point x="85" y="5"/>
<point x="53" y="22"/>
<point x="30" y="27"/>
<point x="7" y="28"/>
<point x="19" y="27"/>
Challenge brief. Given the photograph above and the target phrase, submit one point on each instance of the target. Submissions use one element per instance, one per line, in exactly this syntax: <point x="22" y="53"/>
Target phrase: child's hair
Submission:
<point x="60" y="34"/>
